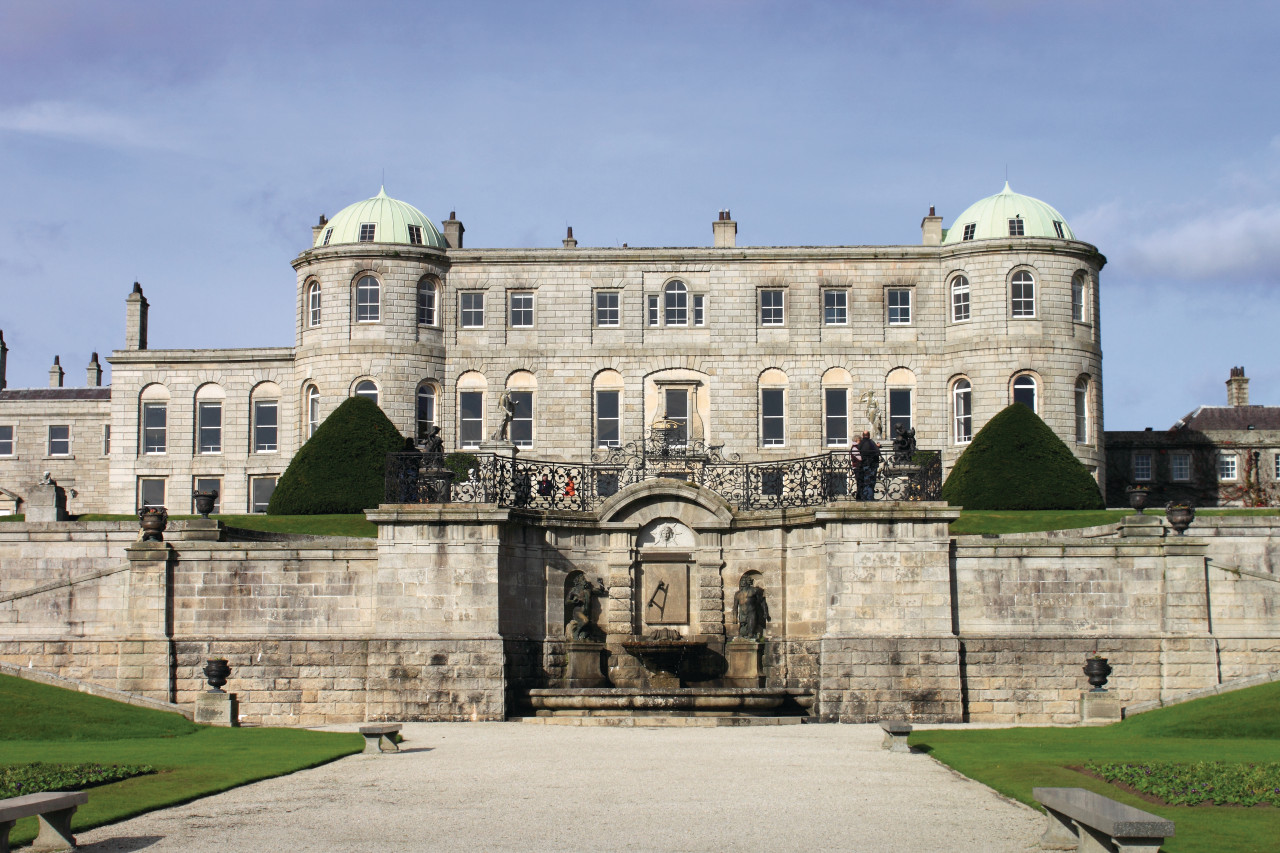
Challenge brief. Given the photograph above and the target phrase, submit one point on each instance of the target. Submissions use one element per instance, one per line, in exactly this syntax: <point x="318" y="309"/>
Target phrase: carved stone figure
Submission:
<point x="433" y="448"/>
<point x="752" y="609"/>
<point x="868" y="399"/>
<point x="508" y="407"/>
<point x="578" y="602"/>
<point x="904" y="444"/>
<point x="46" y="479"/>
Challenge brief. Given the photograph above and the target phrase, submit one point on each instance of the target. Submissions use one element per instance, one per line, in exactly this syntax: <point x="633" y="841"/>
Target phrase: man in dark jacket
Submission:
<point x="869" y="453"/>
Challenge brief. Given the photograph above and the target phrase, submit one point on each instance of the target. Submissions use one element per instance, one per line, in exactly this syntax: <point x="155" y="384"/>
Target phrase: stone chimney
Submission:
<point x="569" y="242"/>
<point x="1237" y="388"/>
<point x="4" y="360"/>
<point x="725" y="231"/>
<point x="931" y="229"/>
<point x="316" y="229"/>
<point x="135" y="319"/>
<point x="453" y="231"/>
<point x="55" y="374"/>
<point x="93" y="373"/>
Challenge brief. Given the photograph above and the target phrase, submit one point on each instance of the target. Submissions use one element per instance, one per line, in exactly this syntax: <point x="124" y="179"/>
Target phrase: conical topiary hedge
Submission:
<point x="1017" y="462"/>
<point x="342" y="467"/>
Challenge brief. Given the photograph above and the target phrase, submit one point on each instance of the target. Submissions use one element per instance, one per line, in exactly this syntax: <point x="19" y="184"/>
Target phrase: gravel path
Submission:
<point x="525" y="787"/>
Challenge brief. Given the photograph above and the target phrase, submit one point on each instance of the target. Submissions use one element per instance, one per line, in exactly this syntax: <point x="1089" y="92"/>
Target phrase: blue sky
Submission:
<point x="192" y="146"/>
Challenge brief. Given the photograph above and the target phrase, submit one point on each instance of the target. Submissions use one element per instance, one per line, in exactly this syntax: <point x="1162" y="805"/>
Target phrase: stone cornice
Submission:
<point x="284" y="355"/>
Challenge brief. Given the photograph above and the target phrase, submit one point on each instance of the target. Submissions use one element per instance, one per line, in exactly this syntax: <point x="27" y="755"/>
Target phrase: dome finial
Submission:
<point x="1006" y="188"/>
<point x="382" y="191"/>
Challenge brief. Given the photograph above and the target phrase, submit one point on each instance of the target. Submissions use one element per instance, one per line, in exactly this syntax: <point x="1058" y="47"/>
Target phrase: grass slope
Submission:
<point x="192" y="761"/>
<point x="1242" y="726"/>
<point x="341" y="524"/>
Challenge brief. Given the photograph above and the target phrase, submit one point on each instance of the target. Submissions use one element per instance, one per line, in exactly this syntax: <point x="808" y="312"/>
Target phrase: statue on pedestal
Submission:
<point x="578" y="602"/>
<point x="752" y="609"/>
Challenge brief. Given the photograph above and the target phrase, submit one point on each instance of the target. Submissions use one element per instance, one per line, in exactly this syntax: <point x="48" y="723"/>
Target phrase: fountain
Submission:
<point x="662" y="652"/>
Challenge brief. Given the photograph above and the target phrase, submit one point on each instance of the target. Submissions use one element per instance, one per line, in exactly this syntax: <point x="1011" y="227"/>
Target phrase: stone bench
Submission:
<point x="53" y="808"/>
<point x="895" y="735"/>
<point x="1089" y="822"/>
<point x="378" y="738"/>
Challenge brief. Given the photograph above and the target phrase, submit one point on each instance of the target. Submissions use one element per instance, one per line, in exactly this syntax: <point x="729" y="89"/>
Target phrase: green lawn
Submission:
<point x="354" y="524"/>
<point x="1243" y="727"/>
<point x="49" y="724"/>
<point x="1032" y="521"/>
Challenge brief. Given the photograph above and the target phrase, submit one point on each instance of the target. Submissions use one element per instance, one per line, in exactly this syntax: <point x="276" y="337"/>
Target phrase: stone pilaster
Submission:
<point x="147" y="659"/>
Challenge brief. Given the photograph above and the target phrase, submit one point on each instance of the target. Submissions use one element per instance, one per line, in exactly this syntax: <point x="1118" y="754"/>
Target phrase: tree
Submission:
<point x="1017" y="462"/>
<point x="341" y="468"/>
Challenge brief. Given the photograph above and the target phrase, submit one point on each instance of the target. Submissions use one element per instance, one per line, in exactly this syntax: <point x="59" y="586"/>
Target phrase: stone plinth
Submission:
<point x="202" y="530"/>
<point x="584" y="665"/>
<point x="744" y="669"/>
<point x="217" y="709"/>
<point x="46" y="502"/>
<point x="1099" y="707"/>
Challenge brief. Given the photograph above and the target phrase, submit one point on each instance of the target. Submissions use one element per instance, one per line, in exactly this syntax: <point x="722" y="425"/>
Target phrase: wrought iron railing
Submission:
<point x="544" y="485"/>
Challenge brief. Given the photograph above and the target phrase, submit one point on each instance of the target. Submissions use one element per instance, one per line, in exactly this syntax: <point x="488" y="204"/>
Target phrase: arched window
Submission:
<point x="426" y="409"/>
<point x="367" y="388"/>
<point x="773" y="408"/>
<point x="368" y="306"/>
<point x="1024" y="391"/>
<point x="313" y="304"/>
<point x="959" y="299"/>
<point x="1079" y="311"/>
<point x="471" y="391"/>
<point x="1023" y="294"/>
<point x="521" y="388"/>
<point x="676" y="306"/>
<point x="836" y="388"/>
<point x="209" y="400"/>
<point x="608" y="395"/>
<point x="313" y="410"/>
<point x="962" y="410"/>
<point x="1082" y="410"/>
<point x="427" y="303"/>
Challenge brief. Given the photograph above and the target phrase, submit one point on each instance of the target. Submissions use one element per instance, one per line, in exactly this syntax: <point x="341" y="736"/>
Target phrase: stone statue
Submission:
<point x="578" y="601"/>
<point x="508" y="407"/>
<point x="752" y="609"/>
<point x="46" y="479"/>
<point x="868" y="399"/>
<point x="904" y="444"/>
<point x="433" y="448"/>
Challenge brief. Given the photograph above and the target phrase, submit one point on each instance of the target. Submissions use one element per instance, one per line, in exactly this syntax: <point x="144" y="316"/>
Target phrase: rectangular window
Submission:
<point x="653" y="310"/>
<point x="1277" y="469"/>
<point x="427" y="304"/>
<point x="266" y="426"/>
<point x="835" y="307"/>
<point x="368" y="292"/>
<point x="1180" y="467"/>
<point x="471" y="418"/>
<point x="106" y="439"/>
<point x="1142" y="466"/>
<point x="1015" y="228"/>
<point x="608" y="419"/>
<point x="209" y="484"/>
<point x="415" y="235"/>
<point x="328" y="232"/>
<point x="959" y="299"/>
<point x="6" y="441"/>
<point x="677" y="400"/>
<point x="771" y="308"/>
<point x="521" y="310"/>
<point x="260" y="489"/>
<point x="699" y="316"/>
<point x="1226" y="466"/>
<point x="313" y="305"/>
<point x="969" y="228"/>
<point x="773" y="417"/>
<point x="472" y="310"/>
<point x="899" y="409"/>
<point x="836" y="401"/>
<point x="522" y="418"/>
<point x="367" y="231"/>
<point x="150" y="491"/>
<point x="209" y="427"/>
<point x="899" y="307"/>
<point x="1023" y="293"/>
<point x="963" y="397"/>
<point x="1057" y="228"/>
<point x="60" y="440"/>
<point x="1077" y="299"/>
<point x="155" y="432"/>
<point x="607" y="312"/>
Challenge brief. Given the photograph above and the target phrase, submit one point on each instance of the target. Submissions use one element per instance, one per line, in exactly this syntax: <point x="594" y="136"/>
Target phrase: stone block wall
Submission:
<point x="864" y="679"/>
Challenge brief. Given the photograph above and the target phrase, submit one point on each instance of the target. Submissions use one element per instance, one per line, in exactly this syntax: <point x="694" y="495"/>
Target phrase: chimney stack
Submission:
<point x="55" y="374"/>
<point x="4" y="360"/>
<point x="1237" y="388"/>
<point x="316" y="229"/>
<point x="93" y="373"/>
<point x="569" y="242"/>
<point x="931" y="229"/>
<point x="135" y="319"/>
<point x="725" y="231"/>
<point x="453" y="231"/>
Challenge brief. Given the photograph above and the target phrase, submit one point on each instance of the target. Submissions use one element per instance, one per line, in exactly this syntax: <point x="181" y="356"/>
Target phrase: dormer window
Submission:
<point x="415" y="235"/>
<point x="1057" y="227"/>
<point x="367" y="230"/>
<point x="969" y="230"/>
<point x="1015" y="227"/>
<point x="327" y="234"/>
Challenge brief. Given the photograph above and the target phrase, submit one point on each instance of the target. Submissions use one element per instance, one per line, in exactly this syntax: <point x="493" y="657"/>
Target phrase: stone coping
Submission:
<point x="1224" y="687"/>
<point x="1103" y="813"/>
<point x="92" y="689"/>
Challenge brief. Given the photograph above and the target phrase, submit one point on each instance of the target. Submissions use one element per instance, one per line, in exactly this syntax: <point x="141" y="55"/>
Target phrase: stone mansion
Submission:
<point x="769" y="351"/>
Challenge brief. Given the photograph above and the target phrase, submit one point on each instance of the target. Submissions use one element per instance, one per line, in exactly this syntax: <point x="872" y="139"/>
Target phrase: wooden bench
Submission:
<point x="895" y="735"/>
<point x="53" y="808"/>
<point x="1089" y="822"/>
<point x="378" y="738"/>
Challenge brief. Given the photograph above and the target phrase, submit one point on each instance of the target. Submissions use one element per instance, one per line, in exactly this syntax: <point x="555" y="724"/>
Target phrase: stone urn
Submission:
<point x="1180" y="516"/>
<point x="153" y="521"/>
<point x="1098" y="671"/>
<point x="216" y="672"/>
<point x="204" y="502"/>
<point x="1138" y="497"/>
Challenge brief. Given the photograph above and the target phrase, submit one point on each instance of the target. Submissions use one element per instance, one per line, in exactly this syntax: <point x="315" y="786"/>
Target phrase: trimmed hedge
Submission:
<point x="342" y="467"/>
<point x="1016" y="462"/>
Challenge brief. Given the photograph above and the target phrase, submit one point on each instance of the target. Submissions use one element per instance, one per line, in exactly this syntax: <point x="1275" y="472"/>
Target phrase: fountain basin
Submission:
<point x="662" y="658"/>
<point x="644" y="701"/>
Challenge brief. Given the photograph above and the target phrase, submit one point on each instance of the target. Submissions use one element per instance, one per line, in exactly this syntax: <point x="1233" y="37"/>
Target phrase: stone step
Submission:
<point x="660" y="722"/>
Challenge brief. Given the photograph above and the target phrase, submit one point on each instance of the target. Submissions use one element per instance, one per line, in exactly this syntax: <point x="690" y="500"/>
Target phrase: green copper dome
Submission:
<point x="1005" y="215"/>
<point x="380" y="219"/>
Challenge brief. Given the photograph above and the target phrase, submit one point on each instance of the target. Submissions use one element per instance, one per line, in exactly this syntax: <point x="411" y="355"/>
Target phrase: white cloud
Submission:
<point x="67" y="120"/>
<point x="1231" y="244"/>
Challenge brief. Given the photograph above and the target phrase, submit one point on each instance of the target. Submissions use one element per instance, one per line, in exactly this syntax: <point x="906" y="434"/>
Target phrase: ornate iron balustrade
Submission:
<point x="543" y="485"/>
